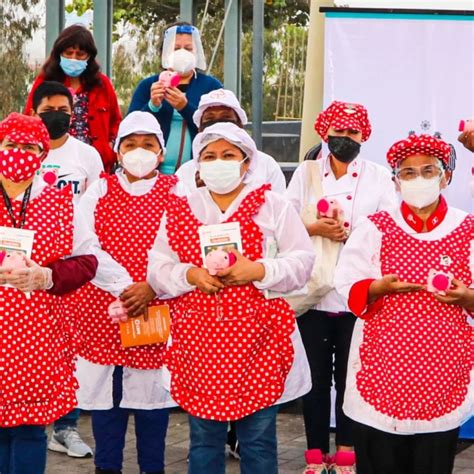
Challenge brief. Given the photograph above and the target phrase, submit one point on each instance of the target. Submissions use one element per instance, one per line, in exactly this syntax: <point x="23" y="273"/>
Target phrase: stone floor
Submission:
<point x="291" y="446"/>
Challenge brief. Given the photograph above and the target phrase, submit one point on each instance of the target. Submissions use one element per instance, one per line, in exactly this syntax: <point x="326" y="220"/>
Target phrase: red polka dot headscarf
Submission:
<point x="418" y="145"/>
<point x="343" y="116"/>
<point x="22" y="129"/>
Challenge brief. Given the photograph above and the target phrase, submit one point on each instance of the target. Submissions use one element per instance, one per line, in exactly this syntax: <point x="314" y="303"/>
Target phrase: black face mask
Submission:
<point x="343" y="149"/>
<point x="57" y="123"/>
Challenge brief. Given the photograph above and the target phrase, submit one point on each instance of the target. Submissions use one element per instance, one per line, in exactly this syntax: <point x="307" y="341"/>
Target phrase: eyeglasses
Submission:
<point x="412" y="172"/>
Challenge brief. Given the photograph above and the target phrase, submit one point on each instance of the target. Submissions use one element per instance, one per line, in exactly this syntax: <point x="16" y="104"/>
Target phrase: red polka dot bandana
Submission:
<point x="418" y="145"/>
<point x="23" y="129"/>
<point x="343" y="116"/>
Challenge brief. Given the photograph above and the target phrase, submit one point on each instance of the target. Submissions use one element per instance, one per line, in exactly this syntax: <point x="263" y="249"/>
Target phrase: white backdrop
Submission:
<point x="405" y="71"/>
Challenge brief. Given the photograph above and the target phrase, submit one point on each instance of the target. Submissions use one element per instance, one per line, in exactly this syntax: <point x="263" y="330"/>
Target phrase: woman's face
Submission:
<point x="8" y="144"/>
<point x="347" y="132"/>
<point x="184" y="41"/>
<point x="75" y="52"/>
<point x="421" y="165"/>
<point x="226" y="151"/>
<point x="148" y="142"/>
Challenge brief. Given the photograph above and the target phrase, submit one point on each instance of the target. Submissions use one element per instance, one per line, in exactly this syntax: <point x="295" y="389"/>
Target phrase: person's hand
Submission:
<point x="243" y="271"/>
<point x="32" y="278"/>
<point x="467" y="139"/>
<point x="136" y="298"/>
<point x="157" y="93"/>
<point x="329" y="228"/>
<point x="459" y="295"/>
<point x="200" y="278"/>
<point x="176" y="98"/>
<point x="390" y="284"/>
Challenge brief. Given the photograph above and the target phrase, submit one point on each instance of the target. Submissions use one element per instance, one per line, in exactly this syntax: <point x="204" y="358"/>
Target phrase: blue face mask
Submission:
<point x="73" y="67"/>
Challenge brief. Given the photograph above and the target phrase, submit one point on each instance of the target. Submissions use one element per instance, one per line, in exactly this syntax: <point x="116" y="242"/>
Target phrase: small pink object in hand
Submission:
<point x="12" y="260"/>
<point x="329" y="207"/>
<point x="218" y="260"/>
<point x="439" y="282"/>
<point x="117" y="312"/>
<point x="169" y="79"/>
<point x="466" y="125"/>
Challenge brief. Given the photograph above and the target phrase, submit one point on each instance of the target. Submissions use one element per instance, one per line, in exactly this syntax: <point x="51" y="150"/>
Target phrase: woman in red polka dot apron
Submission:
<point x="233" y="353"/>
<point x="37" y="385"/>
<point x="407" y="274"/>
<point x="124" y="213"/>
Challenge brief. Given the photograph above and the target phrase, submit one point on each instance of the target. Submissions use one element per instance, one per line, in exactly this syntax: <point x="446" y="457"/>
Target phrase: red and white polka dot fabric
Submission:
<point x="230" y="352"/>
<point x="417" y="353"/>
<point x="418" y="145"/>
<point x="343" y="116"/>
<point x="37" y="385"/>
<point x="126" y="227"/>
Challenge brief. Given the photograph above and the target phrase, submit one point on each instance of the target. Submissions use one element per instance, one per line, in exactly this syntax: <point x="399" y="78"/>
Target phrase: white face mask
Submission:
<point x="221" y="176"/>
<point x="420" y="192"/>
<point x="182" y="61"/>
<point x="140" y="162"/>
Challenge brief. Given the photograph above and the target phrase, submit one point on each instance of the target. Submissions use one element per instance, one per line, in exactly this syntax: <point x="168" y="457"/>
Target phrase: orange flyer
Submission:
<point x="143" y="330"/>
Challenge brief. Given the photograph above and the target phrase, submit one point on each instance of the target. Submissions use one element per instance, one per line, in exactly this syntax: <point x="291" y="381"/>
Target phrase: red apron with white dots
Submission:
<point x="126" y="227"/>
<point x="231" y="351"/>
<point x="417" y="353"/>
<point x="37" y="385"/>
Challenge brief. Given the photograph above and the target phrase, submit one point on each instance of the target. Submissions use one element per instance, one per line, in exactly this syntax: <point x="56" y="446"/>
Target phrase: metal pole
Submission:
<point x="103" y="25"/>
<point x="54" y="22"/>
<point x="232" y="47"/>
<point x="257" y="72"/>
<point x="186" y="11"/>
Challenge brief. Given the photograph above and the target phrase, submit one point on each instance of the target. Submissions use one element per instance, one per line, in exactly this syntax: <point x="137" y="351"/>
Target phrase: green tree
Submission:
<point x="18" y="23"/>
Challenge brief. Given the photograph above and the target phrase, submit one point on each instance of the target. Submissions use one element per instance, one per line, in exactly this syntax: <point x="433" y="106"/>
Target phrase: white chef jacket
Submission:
<point x="78" y="164"/>
<point x="365" y="189"/>
<point x="142" y="389"/>
<point x="289" y="271"/>
<point x="360" y="260"/>
<point x="267" y="171"/>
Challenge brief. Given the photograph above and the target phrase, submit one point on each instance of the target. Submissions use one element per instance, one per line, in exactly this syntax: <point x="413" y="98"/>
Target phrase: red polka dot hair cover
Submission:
<point x="418" y="145"/>
<point x="343" y="116"/>
<point x="21" y="128"/>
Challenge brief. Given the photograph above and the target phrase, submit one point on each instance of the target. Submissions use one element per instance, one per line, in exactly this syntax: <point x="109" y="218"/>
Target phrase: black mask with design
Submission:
<point x="57" y="122"/>
<point x="343" y="149"/>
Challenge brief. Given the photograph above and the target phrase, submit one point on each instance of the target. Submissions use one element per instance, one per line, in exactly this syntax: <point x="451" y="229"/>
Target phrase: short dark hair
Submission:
<point x="81" y="37"/>
<point x="48" y="89"/>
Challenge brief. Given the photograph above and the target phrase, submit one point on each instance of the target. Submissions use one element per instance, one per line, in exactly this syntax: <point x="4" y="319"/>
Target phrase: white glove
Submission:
<point x="31" y="278"/>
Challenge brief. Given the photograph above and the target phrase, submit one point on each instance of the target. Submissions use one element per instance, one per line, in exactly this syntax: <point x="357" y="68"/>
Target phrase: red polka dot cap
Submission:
<point x="343" y="116"/>
<point x="418" y="145"/>
<point x="24" y="129"/>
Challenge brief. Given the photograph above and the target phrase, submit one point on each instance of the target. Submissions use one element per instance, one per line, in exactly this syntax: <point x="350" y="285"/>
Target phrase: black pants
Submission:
<point x="327" y="341"/>
<point x="378" y="452"/>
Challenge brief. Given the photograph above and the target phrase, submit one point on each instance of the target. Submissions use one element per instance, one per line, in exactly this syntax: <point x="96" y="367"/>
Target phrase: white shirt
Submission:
<point x="360" y="260"/>
<point x="365" y="189"/>
<point x="267" y="171"/>
<point x="77" y="164"/>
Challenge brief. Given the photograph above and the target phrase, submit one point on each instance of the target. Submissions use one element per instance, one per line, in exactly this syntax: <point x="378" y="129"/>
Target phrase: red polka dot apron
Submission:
<point x="417" y="353"/>
<point x="230" y="352"/>
<point x="37" y="385"/>
<point x="126" y="227"/>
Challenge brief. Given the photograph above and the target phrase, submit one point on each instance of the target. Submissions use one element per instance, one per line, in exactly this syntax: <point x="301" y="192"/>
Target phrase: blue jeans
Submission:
<point x="257" y="438"/>
<point x="110" y="427"/>
<point x="67" y="421"/>
<point x="23" y="450"/>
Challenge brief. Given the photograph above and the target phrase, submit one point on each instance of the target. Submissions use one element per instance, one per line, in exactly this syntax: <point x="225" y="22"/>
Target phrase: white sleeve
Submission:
<point x="389" y="199"/>
<point x="94" y="166"/>
<point x="111" y="276"/>
<point x="359" y="258"/>
<point x="276" y="177"/>
<point x="166" y="274"/>
<point x="292" y="267"/>
<point x="295" y="192"/>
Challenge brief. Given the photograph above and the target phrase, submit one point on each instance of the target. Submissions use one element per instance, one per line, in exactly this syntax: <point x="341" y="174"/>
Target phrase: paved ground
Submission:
<point x="291" y="445"/>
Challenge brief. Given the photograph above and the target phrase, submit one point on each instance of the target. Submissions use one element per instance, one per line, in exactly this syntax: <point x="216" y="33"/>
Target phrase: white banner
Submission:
<point x="410" y="74"/>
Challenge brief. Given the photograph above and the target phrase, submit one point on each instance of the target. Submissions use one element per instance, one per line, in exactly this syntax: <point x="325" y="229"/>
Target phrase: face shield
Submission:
<point x="175" y="44"/>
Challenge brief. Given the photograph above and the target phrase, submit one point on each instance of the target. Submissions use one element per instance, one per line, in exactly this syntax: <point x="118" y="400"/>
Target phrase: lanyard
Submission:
<point x="24" y="205"/>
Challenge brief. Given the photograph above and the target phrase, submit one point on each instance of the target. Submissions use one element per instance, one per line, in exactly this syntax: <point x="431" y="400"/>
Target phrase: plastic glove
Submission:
<point x="117" y="312"/>
<point x="32" y="278"/>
